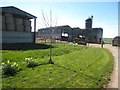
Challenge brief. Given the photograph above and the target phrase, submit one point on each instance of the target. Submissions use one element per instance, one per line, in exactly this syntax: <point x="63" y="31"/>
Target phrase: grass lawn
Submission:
<point x="74" y="67"/>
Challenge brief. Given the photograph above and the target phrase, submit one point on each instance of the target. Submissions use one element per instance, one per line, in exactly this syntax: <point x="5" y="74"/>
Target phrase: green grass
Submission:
<point x="75" y="67"/>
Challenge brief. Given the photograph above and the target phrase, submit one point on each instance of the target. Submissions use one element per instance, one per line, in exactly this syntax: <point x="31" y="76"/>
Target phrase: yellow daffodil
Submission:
<point x="3" y="63"/>
<point x="14" y="63"/>
<point x="29" y="58"/>
<point x="8" y="61"/>
<point x="17" y="65"/>
<point x="26" y="58"/>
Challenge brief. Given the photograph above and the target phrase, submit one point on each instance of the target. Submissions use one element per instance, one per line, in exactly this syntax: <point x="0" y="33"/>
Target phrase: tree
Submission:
<point x="49" y="23"/>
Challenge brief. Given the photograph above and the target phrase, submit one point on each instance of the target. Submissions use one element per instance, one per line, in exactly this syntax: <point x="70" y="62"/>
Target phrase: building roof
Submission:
<point x="117" y="37"/>
<point x="89" y="19"/>
<point x="17" y="11"/>
<point x="75" y="28"/>
<point x="55" y="27"/>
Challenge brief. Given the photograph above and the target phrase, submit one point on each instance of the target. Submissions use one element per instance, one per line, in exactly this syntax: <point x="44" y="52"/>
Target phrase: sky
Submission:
<point x="74" y="14"/>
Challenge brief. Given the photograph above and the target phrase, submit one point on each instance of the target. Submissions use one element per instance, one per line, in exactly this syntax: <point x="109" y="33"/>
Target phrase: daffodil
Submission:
<point x="14" y="63"/>
<point x="29" y="58"/>
<point x="17" y="65"/>
<point x="26" y="58"/>
<point x="3" y="63"/>
<point x="8" y="61"/>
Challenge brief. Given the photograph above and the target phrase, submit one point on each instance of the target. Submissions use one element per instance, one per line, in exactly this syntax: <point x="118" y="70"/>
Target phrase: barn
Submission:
<point x="63" y="33"/>
<point x="15" y="26"/>
<point x="77" y="32"/>
<point x="66" y="33"/>
<point x="93" y="35"/>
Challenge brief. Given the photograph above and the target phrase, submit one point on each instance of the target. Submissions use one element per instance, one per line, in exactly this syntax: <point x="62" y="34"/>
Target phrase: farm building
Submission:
<point x="93" y="35"/>
<point x="58" y="33"/>
<point x="16" y="26"/>
<point x="116" y="41"/>
<point x="77" y="32"/>
<point x="66" y="33"/>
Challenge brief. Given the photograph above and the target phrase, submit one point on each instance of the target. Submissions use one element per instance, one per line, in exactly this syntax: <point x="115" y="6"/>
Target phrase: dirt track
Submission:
<point x="113" y="83"/>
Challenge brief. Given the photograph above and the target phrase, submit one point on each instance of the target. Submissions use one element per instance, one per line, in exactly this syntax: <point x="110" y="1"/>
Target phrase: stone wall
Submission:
<point x="17" y="37"/>
<point x="77" y="32"/>
<point x="93" y="35"/>
<point x="56" y="33"/>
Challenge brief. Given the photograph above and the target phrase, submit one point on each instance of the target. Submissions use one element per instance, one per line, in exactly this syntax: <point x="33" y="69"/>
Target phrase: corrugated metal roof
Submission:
<point x="17" y="11"/>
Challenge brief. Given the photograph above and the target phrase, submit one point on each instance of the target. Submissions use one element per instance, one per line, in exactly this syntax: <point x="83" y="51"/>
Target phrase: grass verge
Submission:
<point x="74" y="67"/>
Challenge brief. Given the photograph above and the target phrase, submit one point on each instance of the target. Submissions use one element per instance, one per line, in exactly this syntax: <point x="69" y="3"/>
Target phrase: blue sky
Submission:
<point x="105" y="14"/>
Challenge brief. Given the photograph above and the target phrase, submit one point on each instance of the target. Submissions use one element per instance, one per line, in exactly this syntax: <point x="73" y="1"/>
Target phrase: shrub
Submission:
<point x="31" y="62"/>
<point x="9" y="68"/>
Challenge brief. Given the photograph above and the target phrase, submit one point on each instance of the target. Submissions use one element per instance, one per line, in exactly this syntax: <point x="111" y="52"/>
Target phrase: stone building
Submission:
<point x="77" y="32"/>
<point x="16" y="25"/>
<point x="116" y="41"/>
<point x="58" y="33"/>
<point x="93" y="35"/>
<point x="66" y="33"/>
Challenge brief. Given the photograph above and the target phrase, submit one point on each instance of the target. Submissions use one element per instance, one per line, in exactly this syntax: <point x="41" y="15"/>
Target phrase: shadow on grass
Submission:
<point x="25" y="46"/>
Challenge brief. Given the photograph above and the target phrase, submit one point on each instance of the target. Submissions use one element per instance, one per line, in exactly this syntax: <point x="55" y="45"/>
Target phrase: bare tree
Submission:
<point x="49" y="23"/>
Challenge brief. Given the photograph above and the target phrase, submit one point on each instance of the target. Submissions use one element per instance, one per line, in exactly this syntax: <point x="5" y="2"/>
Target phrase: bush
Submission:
<point x="31" y="62"/>
<point x="9" y="68"/>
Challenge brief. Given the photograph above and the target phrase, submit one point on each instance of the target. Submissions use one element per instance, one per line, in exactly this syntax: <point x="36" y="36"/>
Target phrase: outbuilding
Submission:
<point x="16" y="26"/>
<point x="93" y="35"/>
<point x="63" y="33"/>
<point x="116" y="41"/>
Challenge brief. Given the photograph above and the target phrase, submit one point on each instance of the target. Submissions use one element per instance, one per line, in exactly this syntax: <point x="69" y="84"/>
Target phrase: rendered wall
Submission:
<point x="16" y="37"/>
